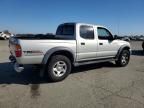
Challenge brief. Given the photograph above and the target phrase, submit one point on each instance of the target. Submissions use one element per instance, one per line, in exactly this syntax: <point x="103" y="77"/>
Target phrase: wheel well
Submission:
<point x="65" y="53"/>
<point x="126" y="48"/>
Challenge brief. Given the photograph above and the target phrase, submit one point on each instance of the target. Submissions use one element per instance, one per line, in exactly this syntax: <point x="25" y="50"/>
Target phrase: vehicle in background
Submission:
<point x="141" y="38"/>
<point x="126" y="39"/>
<point x="138" y="38"/>
<point x="5" y="35"/>
<point x="74" y="44"/>
<point x="143" y="45"/>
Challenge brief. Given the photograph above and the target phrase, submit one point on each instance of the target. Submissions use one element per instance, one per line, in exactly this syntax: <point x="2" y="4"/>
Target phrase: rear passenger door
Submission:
<point x="86" y="43"/>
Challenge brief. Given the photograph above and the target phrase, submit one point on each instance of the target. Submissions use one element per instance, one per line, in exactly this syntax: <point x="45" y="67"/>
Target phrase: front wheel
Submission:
<point x="58" y="68"/>
<point x="123" y="59"/>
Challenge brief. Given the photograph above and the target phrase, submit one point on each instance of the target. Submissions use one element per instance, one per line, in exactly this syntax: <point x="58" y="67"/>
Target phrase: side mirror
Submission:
<point x="115" y="37"/>
<point x="111" y="38"/>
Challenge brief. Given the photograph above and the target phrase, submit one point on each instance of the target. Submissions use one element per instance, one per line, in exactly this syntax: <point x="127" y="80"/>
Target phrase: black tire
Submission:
<point x="58" y="64"/>
<point x="143" y="45"/>
<point x="123" y="59"/>
<point x="5" y="38"/>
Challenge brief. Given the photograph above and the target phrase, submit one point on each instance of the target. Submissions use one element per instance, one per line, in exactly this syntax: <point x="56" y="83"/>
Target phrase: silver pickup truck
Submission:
<point x="74" y="44"/>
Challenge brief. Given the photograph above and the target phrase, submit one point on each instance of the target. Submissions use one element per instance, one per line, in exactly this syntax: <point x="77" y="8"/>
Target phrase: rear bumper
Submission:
<point x="17" y="67"/>
<point x="12" y="58"/>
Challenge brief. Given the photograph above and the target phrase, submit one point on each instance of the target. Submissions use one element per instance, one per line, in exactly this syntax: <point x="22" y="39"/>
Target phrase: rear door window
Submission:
<point x="87" y="32"/>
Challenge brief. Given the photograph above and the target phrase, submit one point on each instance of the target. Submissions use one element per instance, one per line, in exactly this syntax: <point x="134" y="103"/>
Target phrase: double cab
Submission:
<point x="74" y="44"/>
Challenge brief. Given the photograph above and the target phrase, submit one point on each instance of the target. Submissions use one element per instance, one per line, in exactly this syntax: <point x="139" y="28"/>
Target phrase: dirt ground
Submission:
<point x="100" y="85"/>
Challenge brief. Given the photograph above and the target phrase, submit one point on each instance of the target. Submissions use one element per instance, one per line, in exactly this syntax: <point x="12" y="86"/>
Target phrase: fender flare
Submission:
<point x="121" y="49"/>
<point x="48" y="55"/>
<point x="55" y="49"/>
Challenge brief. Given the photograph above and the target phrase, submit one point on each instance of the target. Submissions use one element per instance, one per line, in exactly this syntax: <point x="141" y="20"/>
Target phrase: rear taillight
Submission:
<point x="18" y="50"/>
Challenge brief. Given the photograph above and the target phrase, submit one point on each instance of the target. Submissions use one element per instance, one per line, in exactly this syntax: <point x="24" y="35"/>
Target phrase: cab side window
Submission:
<point x="87" y="32"/>
<point x="104" y="34"/>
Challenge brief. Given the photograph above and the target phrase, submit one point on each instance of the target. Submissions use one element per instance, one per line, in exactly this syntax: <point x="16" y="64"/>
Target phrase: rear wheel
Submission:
<point x="123" y="59"/>
<point x="58" y="68"/>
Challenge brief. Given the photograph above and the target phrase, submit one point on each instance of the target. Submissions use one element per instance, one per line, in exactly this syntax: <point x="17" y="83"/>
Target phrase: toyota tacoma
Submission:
<point x="74" y="44"/>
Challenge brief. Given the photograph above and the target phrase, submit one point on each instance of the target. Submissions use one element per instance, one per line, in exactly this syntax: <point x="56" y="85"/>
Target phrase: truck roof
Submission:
<point x="76" y="23"/>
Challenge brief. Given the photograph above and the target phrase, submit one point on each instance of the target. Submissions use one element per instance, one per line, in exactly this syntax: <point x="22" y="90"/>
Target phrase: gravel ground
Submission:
<point x="100" y="85"/>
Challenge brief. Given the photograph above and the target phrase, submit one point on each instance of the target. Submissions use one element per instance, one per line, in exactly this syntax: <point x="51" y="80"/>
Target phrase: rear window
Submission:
<point x="66" y="29"/>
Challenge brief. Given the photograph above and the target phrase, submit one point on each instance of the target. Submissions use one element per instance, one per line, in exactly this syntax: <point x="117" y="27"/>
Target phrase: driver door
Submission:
<point x="107" y="47"/>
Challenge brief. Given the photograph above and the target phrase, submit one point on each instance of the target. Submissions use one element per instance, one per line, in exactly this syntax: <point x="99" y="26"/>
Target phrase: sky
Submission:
<point x="122" y="17"/>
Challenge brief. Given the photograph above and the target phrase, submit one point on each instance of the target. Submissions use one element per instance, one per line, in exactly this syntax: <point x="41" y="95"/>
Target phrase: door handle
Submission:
<point x="100" y="43"/>
<point x="82" y="43"/>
